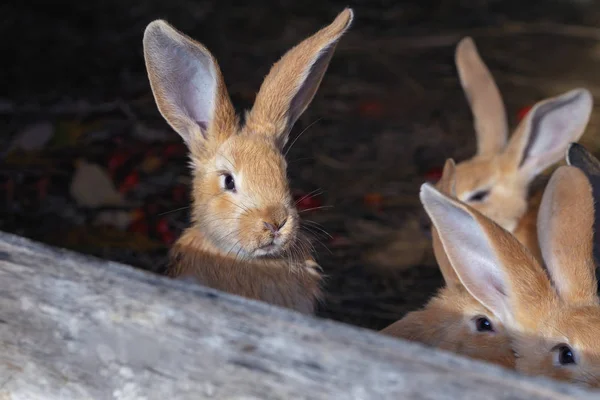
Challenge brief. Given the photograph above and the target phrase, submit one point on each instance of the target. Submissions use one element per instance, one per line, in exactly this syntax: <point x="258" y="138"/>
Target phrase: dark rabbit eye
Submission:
<point x="480" y="195"/>
<point x="229" y="183"/>
<point x="483" y="325"/>
<point x="565" y="355"/>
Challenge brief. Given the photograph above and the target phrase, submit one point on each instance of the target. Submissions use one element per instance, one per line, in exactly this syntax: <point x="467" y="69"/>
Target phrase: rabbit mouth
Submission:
<point x="268" y="250"/>
<point x="269" y="247"/>
<point x="273" y="248"/>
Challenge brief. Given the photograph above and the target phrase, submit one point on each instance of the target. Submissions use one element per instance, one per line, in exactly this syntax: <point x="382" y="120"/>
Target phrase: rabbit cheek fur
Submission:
<point x="552" y="314"/>
<point x="577" y="326"/>
<point x="235" y="221"/>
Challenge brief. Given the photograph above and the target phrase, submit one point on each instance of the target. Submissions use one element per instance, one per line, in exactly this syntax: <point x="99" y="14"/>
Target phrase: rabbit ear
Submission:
<point x="492" y="265"/>
<point x="543" y="136"/>
<point x="486" y="103"/>
<point x="565" y="231"/>
<point x="579" y="157"/>
<point x="187" y="84"/>
<point x="446" y="185"/>
<point x="293" y="81"/>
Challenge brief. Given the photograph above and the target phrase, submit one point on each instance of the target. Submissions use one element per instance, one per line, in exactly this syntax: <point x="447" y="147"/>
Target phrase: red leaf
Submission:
<point x="434" y="174"/>
<point x="179" y="193"/>
<point x="116" y="161"/>
<point x="374" y="200"/>
<point x="306" y="202"/>
<point x="523" y="112"/>
<point x="162" y="226"/>
<point x="138" y="214"/>
<point x="42" y="187"/>
<point x="139" y="226"/>
<point x="174" y="150"/>
<point x="129" y="182"/>
<point x="167" y="237"/>
<point x="152" y="209"/>
<point x="371" y="108"/>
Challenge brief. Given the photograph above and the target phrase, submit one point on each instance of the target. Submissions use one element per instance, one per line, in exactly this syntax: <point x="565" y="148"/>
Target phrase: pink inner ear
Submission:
<point x="203" y="125"/>
<point x="194" y="75"/>
<point x="553" y="126"/>
<point x="184" y="75"/>
<point x="470" y="251"/>
<point x="484" y="281"/>
<point x="495" y="284"/>
<point x="311" y="83"/>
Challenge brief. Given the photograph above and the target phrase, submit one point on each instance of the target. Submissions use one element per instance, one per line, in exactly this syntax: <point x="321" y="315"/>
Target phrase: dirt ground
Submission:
<point x="389" y="112"/>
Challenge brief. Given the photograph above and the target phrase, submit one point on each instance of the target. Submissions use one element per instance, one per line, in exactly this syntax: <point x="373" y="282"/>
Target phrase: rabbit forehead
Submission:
<point x="458" y="300"/>
<point x="254" y="161"/>
<point x="508" y="197"/>
<point x="577" y="326"/>
<point x="477" y="173"/>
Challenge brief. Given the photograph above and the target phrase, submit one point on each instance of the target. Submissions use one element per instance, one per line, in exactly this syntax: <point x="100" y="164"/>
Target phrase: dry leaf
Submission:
<point x="92" y="187"/>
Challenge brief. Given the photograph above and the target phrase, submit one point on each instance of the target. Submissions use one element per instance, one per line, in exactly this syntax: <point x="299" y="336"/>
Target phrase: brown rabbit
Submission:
<point x="553" y="318"/>
<point x="244" y="237"/>
<point x="454" y="320"/>
<point x="496" y="180"/>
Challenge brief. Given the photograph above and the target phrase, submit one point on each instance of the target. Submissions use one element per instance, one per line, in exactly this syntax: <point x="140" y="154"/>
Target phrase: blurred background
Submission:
<point x="88" y="164"/>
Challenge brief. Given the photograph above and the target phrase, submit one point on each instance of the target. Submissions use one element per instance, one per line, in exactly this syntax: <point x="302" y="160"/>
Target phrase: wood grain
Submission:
<point x="73" y="327"/>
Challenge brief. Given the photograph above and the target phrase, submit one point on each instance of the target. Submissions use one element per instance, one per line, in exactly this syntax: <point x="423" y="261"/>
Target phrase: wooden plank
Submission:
<point x="73" y="327"/>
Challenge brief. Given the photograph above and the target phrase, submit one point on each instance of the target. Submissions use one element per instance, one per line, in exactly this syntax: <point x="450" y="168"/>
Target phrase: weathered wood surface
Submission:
<point x="78" y="328"/>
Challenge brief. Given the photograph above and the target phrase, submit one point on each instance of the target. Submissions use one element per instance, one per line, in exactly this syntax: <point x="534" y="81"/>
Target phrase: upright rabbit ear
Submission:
<point x="544" y="135"/>
<point x="446" y="185"/>
<point x="566" y="231"/>
<point x="486" y="103"/>
<point x="293" y="81"/>
<point x="187" y="84"/>
<point x="491" y="263"/>
<point x="579" y="157"/>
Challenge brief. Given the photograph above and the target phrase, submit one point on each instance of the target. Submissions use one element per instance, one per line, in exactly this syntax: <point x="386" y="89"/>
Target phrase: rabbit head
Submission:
<point x="552" y="318"/>
<point x="453" y="319"/>
<point x="496" y="180"/>
<point x="241" y="196"/>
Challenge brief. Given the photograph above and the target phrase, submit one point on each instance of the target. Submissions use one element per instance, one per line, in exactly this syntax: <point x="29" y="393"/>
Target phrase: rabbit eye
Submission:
<point x="479" y="195"/>
<point x="564" y="354"/>
<point x="228" y="182"/>
<point x="483" y="324"/>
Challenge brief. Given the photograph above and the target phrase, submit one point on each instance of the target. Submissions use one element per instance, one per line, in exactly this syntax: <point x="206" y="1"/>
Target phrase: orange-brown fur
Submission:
<point x="526" y="230"/>
<point x="244" y="239"/>
<point x="569" y="312"/>
<point x="292" y="286"/>
<point x="448" y="320"/>
<point x="541" y="311"/>
<point x="497" y="164"/>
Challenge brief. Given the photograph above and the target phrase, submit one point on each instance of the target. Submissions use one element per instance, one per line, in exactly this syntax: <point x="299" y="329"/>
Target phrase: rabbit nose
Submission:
<point x="274" y="227"/>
